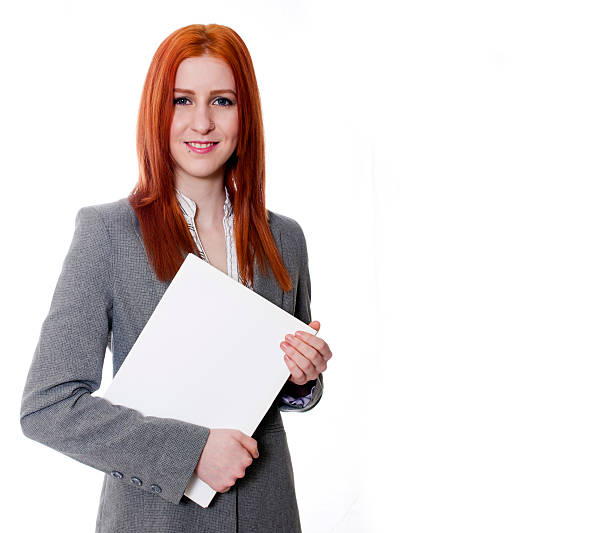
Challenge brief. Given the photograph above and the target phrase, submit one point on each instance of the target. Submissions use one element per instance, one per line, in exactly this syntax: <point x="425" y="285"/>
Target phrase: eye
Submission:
<point x="223" y="98"/>
<point x="177" y="100"/>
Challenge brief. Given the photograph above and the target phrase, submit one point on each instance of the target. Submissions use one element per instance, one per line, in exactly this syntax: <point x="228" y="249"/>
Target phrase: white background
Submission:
<point x="450" y="165"/>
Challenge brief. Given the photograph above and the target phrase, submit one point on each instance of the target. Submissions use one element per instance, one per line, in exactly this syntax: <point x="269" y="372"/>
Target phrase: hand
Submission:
<point x="225" y="458"/>
<point x="306" y="355"/>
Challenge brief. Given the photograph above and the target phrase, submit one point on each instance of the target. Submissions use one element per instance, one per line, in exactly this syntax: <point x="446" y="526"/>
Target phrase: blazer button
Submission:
<point x="136" y="481"/>
<point x="156" y="489"/>
<point x="116" y="474"/>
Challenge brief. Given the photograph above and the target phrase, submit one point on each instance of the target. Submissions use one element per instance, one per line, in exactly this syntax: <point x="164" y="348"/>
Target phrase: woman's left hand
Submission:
<point x="306" y="355"/>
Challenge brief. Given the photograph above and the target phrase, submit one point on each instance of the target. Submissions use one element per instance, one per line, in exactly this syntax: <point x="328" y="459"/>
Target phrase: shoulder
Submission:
<point x="106" y="230"/>
<point x="116" y="217"/>
<point x="293" y="241"/>
<point x="111" y="212"/>
<point x="288" y="227"/>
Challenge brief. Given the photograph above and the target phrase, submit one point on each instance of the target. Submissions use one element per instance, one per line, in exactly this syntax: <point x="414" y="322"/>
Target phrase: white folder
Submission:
<point x="210" y="354"/>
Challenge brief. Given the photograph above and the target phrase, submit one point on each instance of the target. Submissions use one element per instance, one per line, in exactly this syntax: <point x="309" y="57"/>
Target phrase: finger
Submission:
<point x="250" y="444"/>
<point x="307" y="351"/>
<point x="316" y="342"/>
<point x="302" y="361"/>
<point x="315" y="324"/>
<point x="298" y="375"/>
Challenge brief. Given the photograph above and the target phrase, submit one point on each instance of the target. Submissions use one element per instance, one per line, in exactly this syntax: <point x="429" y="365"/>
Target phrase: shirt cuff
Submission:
<point x="300" y="401"/>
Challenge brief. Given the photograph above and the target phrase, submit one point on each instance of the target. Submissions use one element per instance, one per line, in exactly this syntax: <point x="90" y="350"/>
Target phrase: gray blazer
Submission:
<point x="105" y="294"/>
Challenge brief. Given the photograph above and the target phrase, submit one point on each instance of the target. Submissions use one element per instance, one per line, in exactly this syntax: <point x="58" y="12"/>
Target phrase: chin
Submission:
<point x="202" y="173"/>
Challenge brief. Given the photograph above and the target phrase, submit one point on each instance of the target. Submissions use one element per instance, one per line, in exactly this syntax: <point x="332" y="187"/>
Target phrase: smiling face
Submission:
<point x="205" y="110"/>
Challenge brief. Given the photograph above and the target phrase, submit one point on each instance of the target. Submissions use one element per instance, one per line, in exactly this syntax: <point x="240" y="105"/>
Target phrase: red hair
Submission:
<point x="165" y="232"/>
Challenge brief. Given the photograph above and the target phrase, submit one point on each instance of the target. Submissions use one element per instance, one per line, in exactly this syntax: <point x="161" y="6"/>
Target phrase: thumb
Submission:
<point x="315" y="324"/>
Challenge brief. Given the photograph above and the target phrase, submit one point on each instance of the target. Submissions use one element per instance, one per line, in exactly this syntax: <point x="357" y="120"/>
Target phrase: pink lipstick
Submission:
<point x="201" y="150"/>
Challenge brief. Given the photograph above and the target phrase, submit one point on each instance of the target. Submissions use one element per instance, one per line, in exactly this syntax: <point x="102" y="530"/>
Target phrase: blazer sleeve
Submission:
<point x="302" y="311"/>
<point x="58" y="409"/>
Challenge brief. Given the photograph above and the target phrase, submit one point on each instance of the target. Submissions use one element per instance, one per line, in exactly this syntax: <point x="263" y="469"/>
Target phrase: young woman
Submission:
<point x="200" y="190"/>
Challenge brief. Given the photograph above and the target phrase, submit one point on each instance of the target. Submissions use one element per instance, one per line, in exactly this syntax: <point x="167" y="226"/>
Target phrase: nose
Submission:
<point x="202" y="120"/>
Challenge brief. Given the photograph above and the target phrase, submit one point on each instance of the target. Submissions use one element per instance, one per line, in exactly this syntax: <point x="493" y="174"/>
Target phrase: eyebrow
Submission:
<point x="218" y="91"/>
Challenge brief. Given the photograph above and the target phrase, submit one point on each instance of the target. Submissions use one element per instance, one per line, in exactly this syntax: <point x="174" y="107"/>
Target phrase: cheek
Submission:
<point x="177" y="126"/>
<point x="173" y="143"/>
<point x="233" y="132"/>
<point x="230" y="126"/>
<point x="176" y="142"/>
<point x="173" y="131"/>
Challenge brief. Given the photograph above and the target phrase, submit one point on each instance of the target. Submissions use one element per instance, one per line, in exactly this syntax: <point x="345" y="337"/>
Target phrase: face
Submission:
<point x="205" y="110"/>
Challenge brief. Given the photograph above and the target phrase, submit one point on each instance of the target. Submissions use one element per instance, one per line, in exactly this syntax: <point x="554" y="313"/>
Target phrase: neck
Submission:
<point x="209" y="196"/>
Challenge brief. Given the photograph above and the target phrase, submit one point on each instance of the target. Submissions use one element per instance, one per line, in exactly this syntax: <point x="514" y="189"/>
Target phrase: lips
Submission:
<point x="201" y="147"/>
<point x="200" y="142"/>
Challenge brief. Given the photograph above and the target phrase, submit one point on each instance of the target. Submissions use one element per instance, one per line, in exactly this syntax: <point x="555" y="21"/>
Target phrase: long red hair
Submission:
<point x="164" y="230"/>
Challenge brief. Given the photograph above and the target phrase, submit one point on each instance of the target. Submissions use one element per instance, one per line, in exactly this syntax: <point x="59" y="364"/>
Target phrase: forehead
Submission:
<point x="204" y="73"/>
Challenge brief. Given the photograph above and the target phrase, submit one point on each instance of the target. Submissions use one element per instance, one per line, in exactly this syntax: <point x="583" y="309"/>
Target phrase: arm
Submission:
<point x="58" y="408"/>
<point x="302" y="311"/>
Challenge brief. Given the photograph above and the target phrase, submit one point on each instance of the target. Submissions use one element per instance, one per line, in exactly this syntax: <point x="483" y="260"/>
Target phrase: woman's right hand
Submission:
<point x="225" y="458"/>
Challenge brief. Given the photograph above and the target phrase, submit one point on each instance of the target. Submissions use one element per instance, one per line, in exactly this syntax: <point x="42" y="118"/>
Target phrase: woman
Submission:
<point x="200" y="190"/>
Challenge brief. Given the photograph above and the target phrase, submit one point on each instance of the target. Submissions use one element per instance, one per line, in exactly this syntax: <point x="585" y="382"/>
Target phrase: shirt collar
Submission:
<point x="189" y="207"/>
